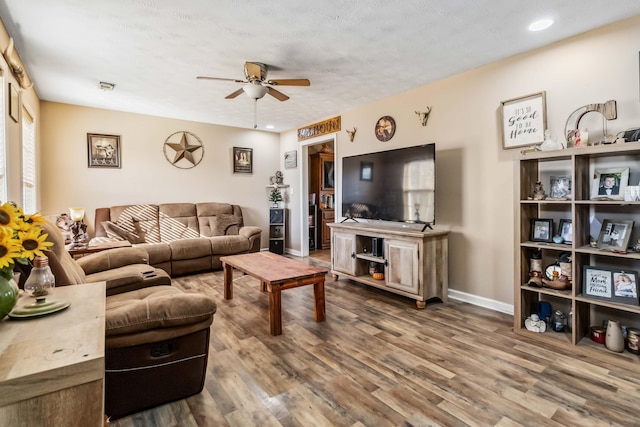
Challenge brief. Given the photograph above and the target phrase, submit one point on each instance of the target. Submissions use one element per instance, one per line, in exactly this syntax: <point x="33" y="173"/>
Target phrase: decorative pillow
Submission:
<point x="115" y="231"/>
<point x="225" y="225"/>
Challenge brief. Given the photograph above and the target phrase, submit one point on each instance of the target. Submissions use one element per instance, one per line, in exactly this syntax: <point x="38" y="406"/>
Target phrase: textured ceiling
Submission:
<point x="354" y="52"/>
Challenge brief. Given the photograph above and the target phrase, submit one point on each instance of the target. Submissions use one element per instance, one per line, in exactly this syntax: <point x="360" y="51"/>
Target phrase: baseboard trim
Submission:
<point x="481" y="301"/>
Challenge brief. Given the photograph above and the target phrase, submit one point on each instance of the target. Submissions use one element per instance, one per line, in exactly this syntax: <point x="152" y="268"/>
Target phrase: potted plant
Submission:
<point x="275" y="196"/>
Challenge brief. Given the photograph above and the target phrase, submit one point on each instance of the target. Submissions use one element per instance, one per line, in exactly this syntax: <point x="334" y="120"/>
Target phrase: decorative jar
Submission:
<point x="614" y="340"/>
<point x="41" y="280"/>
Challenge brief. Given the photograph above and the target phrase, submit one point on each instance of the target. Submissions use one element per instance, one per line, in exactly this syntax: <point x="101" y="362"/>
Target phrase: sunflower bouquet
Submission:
<point x="22" y="238"/>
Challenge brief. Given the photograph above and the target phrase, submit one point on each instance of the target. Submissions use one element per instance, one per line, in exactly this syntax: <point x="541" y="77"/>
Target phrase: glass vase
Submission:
<point x="41" y="280"/>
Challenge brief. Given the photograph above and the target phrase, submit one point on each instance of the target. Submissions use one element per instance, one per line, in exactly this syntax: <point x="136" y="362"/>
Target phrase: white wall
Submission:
<point x="474" y="178"/>
<point x="145" y="175"/>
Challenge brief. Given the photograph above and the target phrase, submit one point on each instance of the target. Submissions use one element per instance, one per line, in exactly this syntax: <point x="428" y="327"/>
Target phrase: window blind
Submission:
<point x="28" y="163"/>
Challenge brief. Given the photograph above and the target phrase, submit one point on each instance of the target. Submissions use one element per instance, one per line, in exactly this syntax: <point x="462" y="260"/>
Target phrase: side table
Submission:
<point x="52" y="367"/>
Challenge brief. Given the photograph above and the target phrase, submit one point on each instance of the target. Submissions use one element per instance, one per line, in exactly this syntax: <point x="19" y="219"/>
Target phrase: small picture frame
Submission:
<point x="597" y="282"/>
<point x="242" y="160"/>
<point x="560" y="188"/>
<point x="565" y="230"/>
<point x="366" y="171"/>
<point x="103" y="150"/>
<point x="625" y="287"/>
<point x="614" y="235"/>
<point x="609" y="184"/>
<point x="524" y="120"/>
<point x="14" y="103"/>
<point x="541" y="230"/>
<point x="291" y="159"/>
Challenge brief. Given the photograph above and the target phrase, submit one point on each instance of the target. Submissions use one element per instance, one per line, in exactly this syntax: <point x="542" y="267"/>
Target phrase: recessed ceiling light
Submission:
<point x="540" y="25"/>
<point x="269" y="127"/>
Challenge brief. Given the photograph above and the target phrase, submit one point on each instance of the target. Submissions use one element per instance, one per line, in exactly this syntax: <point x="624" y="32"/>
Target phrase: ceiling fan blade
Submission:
<point x="220" y="78"/>
<point x="277" y="94"/>
<point x="234" y="94"/>
<point x="290" y="82"/>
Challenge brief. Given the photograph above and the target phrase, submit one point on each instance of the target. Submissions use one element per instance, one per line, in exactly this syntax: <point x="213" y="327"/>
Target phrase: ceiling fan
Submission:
<point x="257" y="85"/>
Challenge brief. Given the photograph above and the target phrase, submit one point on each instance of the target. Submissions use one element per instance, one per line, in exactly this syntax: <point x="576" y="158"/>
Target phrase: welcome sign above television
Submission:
<point x="393" y="185"/>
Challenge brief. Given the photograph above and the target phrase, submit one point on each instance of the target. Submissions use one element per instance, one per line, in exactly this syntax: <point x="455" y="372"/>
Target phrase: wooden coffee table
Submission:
<point x="276" y="273"/>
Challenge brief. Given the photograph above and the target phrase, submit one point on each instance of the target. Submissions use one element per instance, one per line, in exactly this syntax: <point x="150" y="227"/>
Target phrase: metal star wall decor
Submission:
<point x="186" y="148"/>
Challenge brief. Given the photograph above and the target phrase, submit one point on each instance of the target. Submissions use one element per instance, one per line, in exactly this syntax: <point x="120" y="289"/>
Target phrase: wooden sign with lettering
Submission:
<point x="320" y="128"/>
<point x="524" y="120"/>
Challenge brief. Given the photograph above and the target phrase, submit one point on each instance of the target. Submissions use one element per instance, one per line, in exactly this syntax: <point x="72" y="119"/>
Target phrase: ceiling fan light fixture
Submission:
<point x="255" y="91"/>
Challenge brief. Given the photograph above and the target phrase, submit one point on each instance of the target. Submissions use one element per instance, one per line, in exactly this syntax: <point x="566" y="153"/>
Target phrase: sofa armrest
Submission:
<point x="253" y="234"/>
<point x="112" y="258"/>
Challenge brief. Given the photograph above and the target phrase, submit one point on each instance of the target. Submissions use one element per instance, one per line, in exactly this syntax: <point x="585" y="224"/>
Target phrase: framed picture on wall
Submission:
<point x="242" y="160"/>
<point x="103" y="150"/>
<point x="524" y="120"/>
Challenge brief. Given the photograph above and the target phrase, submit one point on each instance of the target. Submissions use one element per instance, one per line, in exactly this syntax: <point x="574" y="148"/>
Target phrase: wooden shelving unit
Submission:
<point x="277" y="230"/>
<point x="580" y="164"/>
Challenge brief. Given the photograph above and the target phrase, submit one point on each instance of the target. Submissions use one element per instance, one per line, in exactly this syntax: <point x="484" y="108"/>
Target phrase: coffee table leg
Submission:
<point x="228" y="281"/>
<point x="275" y="311"/>
<point x="318" y="296"/>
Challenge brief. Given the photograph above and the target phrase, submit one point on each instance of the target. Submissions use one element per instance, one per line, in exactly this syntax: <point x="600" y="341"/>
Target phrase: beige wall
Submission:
<point x="145" y="175"/>
<point x="475" y="194"/>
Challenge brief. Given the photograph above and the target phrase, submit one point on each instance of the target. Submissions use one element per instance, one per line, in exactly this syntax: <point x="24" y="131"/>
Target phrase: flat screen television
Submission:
<point x="393" y="185"/>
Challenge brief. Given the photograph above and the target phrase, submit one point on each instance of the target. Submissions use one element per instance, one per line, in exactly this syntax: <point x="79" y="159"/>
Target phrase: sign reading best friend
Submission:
<point x="320" y="128"/>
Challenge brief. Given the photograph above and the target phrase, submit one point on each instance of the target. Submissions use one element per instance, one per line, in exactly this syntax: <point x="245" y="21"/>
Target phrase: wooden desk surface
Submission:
<point x="272" y="268"/>
<point x="54" y="352"/>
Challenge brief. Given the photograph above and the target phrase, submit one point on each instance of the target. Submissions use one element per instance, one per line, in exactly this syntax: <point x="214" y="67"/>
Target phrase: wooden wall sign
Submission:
<point x="320" y="128"/>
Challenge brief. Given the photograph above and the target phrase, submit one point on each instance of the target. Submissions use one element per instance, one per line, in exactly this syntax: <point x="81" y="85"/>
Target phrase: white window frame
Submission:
<point x="29" y="162"/>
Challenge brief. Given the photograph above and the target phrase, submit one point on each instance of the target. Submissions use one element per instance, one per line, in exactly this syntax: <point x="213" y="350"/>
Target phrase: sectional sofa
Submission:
<point x="180" y="238"/>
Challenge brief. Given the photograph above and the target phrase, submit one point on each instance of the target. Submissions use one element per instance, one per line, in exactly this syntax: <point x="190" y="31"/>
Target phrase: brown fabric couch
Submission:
<point x="180" y="238"/>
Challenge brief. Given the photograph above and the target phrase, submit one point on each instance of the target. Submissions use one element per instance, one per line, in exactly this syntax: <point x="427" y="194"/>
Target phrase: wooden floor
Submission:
<point x="378" y="361"/>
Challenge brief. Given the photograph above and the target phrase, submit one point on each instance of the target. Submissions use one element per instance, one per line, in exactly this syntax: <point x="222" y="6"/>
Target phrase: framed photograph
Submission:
<point x="625" y="287"/>
<point x="104" y="150"/>
<point x="14" y="103"/>
<point x="366" y="171"/>
<point x="524" y="120"/>
<point x="597" y="282"/>
<point x="560" y="188"/>
<point x="242" y="160"/>
<point x="565" y="230"/>
<point x="609" y="184"/>
<point x="614" y="235"/>
<point x="291" y="159"/>
<point x="541" y="230"/>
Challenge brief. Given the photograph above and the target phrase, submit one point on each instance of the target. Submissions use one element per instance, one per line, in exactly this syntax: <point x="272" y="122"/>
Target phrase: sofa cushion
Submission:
<point x="138" y="219"/>
<point x="115" y="231"/>
<point x="229" y="245"/>
<point x="158" y="252"/>
<point x="223" y="225"/>
<point x="178" y="221"/>
<point x="207" y="213"/>
<point x="157" y="307"/>
<point x="190" y="249"/>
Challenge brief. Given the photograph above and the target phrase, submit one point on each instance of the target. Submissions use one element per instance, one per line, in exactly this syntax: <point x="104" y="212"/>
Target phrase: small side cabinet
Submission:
<point x="277" y="230"/>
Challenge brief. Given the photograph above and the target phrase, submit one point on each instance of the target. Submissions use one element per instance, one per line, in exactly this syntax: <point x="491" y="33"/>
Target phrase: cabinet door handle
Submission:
<point x="386" y="263"/>
<point x="353" y="254"/>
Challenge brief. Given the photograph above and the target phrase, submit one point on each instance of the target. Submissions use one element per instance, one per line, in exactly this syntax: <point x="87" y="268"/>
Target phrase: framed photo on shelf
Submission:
<point x="524" y="120"/>
<point x="560" y="187"/>
<point x="103" y="150"/>
<point x="565" y="230"/>
<point x="242" y="160"/>
<point x="541" y="230"/>
<point x="609" y="184"/>
<point x="625" y="287"/>
<point x="614" y="235"/>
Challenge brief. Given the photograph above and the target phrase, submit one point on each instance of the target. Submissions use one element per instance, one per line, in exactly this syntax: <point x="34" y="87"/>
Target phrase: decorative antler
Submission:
<point x="424" y="116"/>
<point x="352" y="133"/>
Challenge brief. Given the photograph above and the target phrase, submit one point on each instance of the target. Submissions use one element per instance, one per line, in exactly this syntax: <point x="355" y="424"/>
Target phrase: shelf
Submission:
<point x="548" y="291"/>
<point x="372" y="258"/>
<point x="595" y="251"/>
<point x="549" y="336"/>
<point x="602" y="303"/>
<point x="544" y="245"/>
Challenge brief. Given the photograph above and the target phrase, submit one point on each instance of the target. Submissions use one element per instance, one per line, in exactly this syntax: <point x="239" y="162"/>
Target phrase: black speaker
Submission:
<point x="378" y="247"/>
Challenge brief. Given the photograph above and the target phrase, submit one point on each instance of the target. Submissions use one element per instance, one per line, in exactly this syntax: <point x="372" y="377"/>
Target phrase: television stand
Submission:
<point x="414" y="262"/>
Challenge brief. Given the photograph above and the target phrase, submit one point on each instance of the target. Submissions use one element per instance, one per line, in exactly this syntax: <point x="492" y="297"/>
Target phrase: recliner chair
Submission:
<point x="156" y="337"/>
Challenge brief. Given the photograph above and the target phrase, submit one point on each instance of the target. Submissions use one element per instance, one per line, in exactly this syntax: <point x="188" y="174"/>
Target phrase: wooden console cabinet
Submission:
<point x="52" y="367"/>
<point x="415" y="263"/>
